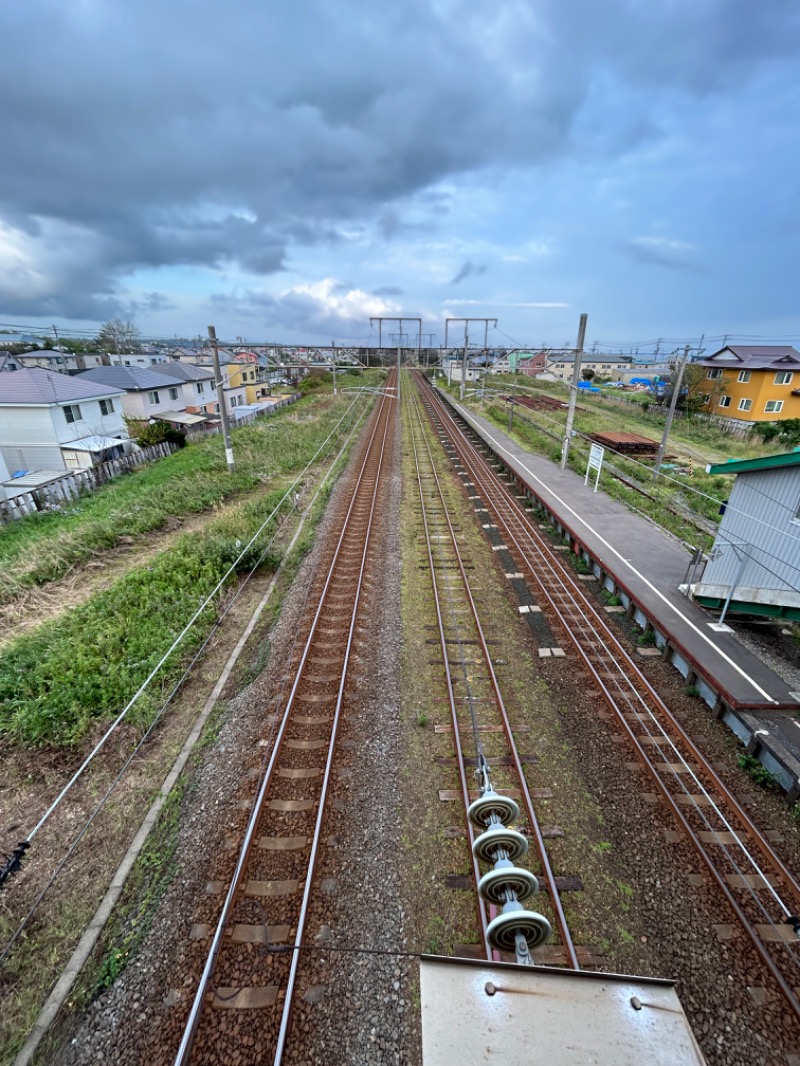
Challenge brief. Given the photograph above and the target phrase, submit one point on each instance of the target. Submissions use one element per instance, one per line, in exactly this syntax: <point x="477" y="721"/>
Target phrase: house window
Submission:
<point x="783" y="377"/>
<point x="745" y="405"/>
<point x="201" y="386"/>
<point x="152" y="398"/>
<point x="606" y="366"/>
<point x="72" y="412"/>
<point x="106" y="407"/>
<point x="173" y="394"/>
<point x="704" y="399"/>
<point x="744" y="375"/>
<point x="714" y="372"/>
<point x="724" y="401"/>
<point x="774" y="406"/>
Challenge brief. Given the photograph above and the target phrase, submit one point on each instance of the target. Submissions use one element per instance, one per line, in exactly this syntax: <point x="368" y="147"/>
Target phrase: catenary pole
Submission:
<point x="573" y="391"/>
<point x="673" y="403"/>
<point x="223" y="414"/>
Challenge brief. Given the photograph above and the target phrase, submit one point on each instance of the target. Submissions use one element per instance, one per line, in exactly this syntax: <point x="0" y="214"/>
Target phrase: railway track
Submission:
<point x="242" y="1009"/>
<point x="757" y="887"/>
<point x="479" y="720"/>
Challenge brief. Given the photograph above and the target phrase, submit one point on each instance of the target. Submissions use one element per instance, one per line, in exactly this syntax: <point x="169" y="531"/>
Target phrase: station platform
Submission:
<point x="646" y="567"/>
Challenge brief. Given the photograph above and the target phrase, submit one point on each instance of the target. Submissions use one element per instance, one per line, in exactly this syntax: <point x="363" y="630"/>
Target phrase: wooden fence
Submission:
<point x="77" y="483"/>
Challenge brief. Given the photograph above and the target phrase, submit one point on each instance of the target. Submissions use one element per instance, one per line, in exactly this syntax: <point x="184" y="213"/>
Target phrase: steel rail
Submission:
<point x="321" y="811"/>
<point x="533" y="820"/>
<point x="192" y="1022"/>
<point x="481" y="908"/>
<point x="632" y="671"/>
<point x="633" y="682"/>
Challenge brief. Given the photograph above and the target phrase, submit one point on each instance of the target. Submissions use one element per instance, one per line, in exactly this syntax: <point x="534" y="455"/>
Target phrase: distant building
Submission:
<point x="753" y="383"/>
<point x="755" y="562"/>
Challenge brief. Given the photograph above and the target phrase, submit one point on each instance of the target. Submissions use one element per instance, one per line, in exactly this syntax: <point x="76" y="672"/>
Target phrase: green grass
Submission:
<point x="44" y="547"/>
<point x="58" y="682"/>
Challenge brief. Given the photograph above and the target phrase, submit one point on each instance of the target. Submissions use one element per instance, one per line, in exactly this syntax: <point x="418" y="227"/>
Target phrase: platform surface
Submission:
<point x="649" y="565"/>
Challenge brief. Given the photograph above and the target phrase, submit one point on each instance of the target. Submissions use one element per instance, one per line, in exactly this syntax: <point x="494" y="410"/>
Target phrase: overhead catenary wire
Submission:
<point x="178" y="685"/>
<point x="681" y="484"/>
<point x="178" y="640"/>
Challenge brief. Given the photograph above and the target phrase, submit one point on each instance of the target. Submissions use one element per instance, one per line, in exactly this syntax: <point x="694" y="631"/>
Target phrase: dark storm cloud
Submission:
<point x="185" y="133"/>
<point x="468" y="270"/>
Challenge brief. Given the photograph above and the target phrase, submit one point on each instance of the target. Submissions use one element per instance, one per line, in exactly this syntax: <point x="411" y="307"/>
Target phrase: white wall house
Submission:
<point x="146" y="395"/>
<point x="53" y="422"/>
<point x="198" y="391"/>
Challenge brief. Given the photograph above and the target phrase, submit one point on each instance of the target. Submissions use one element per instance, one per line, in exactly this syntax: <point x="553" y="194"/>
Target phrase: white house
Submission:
<point x="146" y="395"/>
<point x="198" y="390"/>
<point x="53" y="422"/>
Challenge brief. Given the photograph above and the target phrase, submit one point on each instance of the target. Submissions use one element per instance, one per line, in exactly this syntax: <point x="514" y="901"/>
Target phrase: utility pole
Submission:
<point x="333" y="361"/>
<point x="673" y="403"/>
<point x="393" y="318"/>
<point x="573" y="391"/>
<point x="464" y="365"/>
<point x="513" y="401"/>
<point x="223" y="414"/>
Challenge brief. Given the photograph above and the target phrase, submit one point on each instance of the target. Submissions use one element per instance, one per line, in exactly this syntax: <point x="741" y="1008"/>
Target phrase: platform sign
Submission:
<point x="596" y="454"/>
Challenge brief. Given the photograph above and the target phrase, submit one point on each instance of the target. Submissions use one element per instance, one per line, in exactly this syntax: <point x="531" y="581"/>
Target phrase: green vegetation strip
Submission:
<point x="44" y="547"/>
<point x="80" y="669"/>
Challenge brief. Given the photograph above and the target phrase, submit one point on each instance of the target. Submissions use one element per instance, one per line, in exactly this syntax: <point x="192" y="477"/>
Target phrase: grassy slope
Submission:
<point x="59" y="680"/>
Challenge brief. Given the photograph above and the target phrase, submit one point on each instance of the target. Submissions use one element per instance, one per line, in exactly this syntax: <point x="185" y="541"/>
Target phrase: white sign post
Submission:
<point x="595" y="463"/>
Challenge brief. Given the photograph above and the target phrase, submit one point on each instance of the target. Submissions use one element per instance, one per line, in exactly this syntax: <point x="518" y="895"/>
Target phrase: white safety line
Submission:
<point x="497" y="444"/>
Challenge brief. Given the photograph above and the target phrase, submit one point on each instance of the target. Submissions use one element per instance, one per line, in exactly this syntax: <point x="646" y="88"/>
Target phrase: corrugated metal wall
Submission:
<point x="761" y="518"/>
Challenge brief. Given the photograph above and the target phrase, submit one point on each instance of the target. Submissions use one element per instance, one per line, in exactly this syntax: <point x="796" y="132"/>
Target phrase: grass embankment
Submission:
<point x="44" y="547"/>
<point x="62" y="679"/>
<point x="675" y="500"/>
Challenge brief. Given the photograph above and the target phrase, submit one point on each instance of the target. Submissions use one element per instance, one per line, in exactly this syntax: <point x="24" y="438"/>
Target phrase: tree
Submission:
<point x="699" y="390"/>
<point x="587" y="375"/>
<point x="118" y="336"/>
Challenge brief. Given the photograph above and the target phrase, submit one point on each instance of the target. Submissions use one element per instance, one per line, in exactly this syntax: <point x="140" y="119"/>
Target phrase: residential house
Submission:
<point x="53" y="422"/>
<point x="560" y="366"/>
<point x="147" y="395"/>
<point x="754" y="567"/>
<point x="236" y="376"/>
<point x="198" y="394"/>
<point x="532" y="364"/>
<point x="753" y="383"/>
<point x="8" y="362"/>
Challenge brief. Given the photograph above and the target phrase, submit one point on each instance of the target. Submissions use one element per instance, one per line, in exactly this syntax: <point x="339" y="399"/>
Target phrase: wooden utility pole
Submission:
<point x="673" y="403"/>
<point x="573" y="391"/>
<point x="223" y="414"/>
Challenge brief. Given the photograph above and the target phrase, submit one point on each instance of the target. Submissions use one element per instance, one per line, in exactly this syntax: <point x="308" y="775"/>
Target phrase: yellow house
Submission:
<point x="753" y="383"/>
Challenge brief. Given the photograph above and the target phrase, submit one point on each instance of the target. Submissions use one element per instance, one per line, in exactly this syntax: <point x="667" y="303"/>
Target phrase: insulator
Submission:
<point x="498" y="837"/>
<point x="481" y="810"/>
<point x="494" y="885"/>
<point x="503" y="930"/>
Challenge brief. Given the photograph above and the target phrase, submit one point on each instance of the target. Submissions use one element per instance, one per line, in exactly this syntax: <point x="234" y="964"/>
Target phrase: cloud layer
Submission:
<point x="141" y="136"/>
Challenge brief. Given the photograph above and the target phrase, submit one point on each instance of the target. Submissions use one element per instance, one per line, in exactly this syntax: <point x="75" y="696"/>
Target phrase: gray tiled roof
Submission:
<point x="184" y="371"/>
<point x="38" y="386"/>
<point x="754" y="357"/>
<point x="131" y="378"/>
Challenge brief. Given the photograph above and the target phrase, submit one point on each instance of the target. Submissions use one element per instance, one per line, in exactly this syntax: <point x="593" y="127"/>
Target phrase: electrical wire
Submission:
<point x="178" y="685"/>
<point x="178" y="640"/>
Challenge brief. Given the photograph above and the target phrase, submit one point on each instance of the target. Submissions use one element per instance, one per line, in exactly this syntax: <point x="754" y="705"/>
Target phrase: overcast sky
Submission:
<point x="286" y="169"/>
